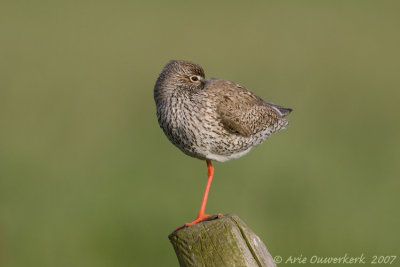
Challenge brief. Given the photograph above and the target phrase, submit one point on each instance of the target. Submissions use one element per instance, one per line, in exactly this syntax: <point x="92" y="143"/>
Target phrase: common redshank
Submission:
<point x="212" y="119"/>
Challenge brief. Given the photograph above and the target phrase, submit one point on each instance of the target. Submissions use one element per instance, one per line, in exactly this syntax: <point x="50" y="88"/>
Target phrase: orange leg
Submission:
<point x="201" y="216"/>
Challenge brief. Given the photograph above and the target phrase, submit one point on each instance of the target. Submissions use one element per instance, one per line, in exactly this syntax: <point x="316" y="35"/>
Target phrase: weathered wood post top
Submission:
<point x="222" y="241"/>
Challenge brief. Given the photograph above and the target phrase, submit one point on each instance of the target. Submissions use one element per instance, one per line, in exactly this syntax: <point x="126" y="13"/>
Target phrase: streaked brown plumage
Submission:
<point x="212" y="119"/>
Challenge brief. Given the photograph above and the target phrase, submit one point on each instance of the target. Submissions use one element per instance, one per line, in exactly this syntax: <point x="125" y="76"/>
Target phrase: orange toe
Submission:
<point x="200" y="219"/>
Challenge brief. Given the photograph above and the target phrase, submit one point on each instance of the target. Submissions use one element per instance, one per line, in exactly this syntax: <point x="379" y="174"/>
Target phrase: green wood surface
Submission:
<point x="223" y="241"/>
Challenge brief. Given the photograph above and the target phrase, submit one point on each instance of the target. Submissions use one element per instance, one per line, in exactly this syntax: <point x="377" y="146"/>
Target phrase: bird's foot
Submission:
<point x="204" y="217"/>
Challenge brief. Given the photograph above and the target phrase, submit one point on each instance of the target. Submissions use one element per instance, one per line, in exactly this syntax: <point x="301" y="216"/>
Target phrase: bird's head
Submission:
<point x="182" y="76"/>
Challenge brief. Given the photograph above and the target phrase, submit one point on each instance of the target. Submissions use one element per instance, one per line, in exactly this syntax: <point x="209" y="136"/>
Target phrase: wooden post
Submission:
<point x="221" y="241"/>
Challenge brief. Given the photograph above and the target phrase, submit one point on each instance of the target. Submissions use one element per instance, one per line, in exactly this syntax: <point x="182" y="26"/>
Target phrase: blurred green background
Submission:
<point x="87" y="177"/>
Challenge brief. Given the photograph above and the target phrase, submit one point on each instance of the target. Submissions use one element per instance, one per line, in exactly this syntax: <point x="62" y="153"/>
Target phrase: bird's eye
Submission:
<point x="194" y="78"/>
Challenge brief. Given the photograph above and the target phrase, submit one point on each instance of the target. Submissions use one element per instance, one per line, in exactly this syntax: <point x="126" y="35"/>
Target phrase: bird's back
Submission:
<point x="244" y="113"/>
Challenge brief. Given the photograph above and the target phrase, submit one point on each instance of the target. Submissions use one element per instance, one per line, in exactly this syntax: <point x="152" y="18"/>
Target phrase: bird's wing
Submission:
<point x="242" y="112"/>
